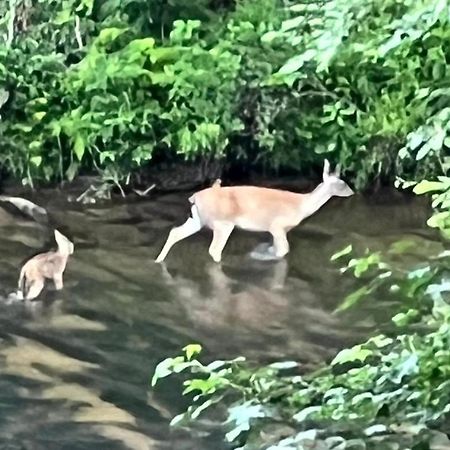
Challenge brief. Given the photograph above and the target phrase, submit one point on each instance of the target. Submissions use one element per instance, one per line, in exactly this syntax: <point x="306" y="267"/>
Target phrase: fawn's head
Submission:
<point x="332" y="181"/>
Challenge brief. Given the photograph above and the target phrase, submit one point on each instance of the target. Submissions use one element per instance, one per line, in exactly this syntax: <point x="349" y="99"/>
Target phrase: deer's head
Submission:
<point x="332" y="180"/>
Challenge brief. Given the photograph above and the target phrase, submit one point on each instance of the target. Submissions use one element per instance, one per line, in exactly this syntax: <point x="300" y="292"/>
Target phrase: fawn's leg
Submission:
<point x="58" y="280"/>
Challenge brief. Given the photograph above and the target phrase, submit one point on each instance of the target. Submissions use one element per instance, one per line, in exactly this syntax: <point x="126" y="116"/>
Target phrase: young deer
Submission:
<point x="50" y="265"/>
<point x="255" y="209"/>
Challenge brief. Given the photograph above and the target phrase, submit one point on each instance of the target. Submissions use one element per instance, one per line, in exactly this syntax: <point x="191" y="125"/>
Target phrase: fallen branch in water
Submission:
<point x="144" y="193"/>
<point x="26" y="206"/>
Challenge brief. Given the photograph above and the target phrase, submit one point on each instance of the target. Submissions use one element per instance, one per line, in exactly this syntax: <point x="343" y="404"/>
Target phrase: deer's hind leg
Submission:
<point x="35" y="288"/>
<point x="190" y="227"/>
<point x="58" y="280"/>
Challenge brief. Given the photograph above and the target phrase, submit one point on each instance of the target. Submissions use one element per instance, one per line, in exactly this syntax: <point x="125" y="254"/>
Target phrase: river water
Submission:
<point x="75" y="367"/>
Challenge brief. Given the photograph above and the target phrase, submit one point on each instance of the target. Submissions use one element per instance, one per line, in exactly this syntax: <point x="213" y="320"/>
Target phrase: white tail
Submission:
<point x="255" y="209"/>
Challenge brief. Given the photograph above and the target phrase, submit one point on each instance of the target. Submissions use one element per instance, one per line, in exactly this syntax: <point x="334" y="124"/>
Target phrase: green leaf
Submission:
<point x="4" y="95"/>
<point x="108" y="35"/>
<point x="63" y="17"/>
<point x="192" y="350"/>
<point x="39" y="115"/>
<point x="354" y="298"/>
<point x="36" y="160"/>
<point x="270" y="36"/>
<point x="284" y="365"/>
<point x="197" y="411"/>
<point x="165" y="368"/>
<point x="179" y="419"/>
<point x="427" y="186"/>
<point x="306" y="413"/>
<point x="292" y="23"/>
<point x="296" y="62"/>
<point x="144" y="45"/>
<point x="381" y="341"/>
<point x="402" y="319"/>
<point x="356" y="353"/>
<point x="72" y="170"/>
<point x="439" y="220"/>
<point x="407" y="367"/>
<point x="79" y="147"/>
<point x="341" y="253"/>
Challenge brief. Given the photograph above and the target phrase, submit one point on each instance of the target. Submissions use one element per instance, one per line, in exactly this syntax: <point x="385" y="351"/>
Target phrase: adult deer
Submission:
<point x="255" y="209"/>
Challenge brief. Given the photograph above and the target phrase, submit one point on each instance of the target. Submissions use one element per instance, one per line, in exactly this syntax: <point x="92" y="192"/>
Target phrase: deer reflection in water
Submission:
<point x="235" y="313"/>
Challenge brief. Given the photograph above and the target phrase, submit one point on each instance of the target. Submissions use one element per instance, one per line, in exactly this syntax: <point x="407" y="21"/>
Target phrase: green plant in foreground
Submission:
<point x="388" y="392"/>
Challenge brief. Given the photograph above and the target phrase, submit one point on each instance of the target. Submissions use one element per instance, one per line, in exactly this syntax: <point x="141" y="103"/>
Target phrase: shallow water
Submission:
<point x="75" y="367"/>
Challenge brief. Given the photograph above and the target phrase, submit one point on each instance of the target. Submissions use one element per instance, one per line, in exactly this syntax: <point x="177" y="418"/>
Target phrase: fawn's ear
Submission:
<point x="58" y="236"/>
<point x="63" y="242"/>
<point x="326" y="169"/>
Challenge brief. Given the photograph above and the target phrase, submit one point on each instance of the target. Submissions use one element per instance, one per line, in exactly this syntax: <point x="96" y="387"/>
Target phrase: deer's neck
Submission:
<point x="63" y="252"/>
<point x="313" y="201"/>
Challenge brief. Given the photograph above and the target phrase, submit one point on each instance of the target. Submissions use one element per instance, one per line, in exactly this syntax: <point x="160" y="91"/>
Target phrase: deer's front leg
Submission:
<point x="267" y="252"/>
<point x="280" y="242"/>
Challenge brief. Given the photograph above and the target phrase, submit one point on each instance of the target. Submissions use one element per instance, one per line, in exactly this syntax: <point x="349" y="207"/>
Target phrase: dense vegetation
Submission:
<point x="111" y="86"/>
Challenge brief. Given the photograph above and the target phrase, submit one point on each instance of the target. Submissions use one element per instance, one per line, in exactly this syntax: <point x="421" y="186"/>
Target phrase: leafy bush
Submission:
<point x="375" y="77"/>
<point x="91" y="89"/>
<point x="111" y="85"/>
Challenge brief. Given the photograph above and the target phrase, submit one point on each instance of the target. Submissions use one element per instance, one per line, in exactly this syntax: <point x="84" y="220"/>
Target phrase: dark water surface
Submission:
<point x="75" y="367"/>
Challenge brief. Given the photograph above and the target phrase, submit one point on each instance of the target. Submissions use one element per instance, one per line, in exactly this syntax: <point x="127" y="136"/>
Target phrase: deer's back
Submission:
<point x="249" y="207"/>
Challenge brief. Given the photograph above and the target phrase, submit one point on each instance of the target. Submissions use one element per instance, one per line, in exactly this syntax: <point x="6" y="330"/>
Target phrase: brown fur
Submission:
<point x="49" y="265"/>
<point x="259" y="206"/>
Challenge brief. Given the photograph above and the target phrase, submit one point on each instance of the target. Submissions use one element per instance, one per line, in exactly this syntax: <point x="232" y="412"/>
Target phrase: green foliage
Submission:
<point x="90" y="88"/>
<point x="375" y="78"/>
<point x="111" y="85"/>
<point x="441" y="201"/>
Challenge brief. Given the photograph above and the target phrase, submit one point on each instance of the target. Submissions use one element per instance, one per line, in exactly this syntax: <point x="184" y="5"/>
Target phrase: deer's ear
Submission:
<point x="337" y="171"/>
<point x="326" y="169"/>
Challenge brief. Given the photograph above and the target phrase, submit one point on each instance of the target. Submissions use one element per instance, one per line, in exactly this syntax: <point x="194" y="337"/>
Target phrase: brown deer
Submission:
<point x="255" y="209"/>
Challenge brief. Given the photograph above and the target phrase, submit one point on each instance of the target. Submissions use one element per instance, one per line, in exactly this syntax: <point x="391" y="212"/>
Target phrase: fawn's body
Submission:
<point x="49" y="265"/>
